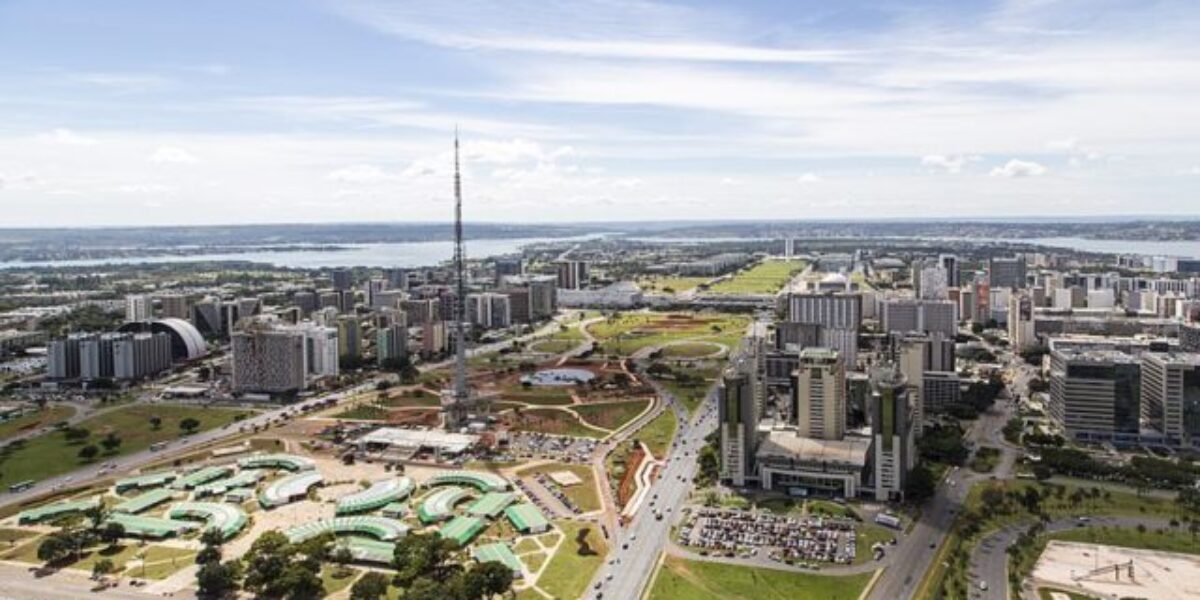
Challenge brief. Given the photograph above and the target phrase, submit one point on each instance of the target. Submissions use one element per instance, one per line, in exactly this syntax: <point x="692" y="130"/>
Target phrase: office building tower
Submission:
<point x="1020" y="322"/>
<point x="372" y="287"/>
<point x="1095" y="395"/>
<point x="62" y="356"/>
<point x="738" y="413"/>
<point x="141" y="355"/>
<point x="894" y="446"/>
<point x="391" y="343"/>
<point x="949" y="262"/>
<point x="320" y="349"/>
<point x="397" y="278"/>
<point x="206" y="316"/>
<point x="421" y="311"/>
<point x="543" y="297"/>
<point x="1006" y="272"/>
<point x="924" y="316"/>
<point x="1189" y="337"/>
<point x="342" y="279"/>
<point x="489" y="310"/>
<point x="1101" y="298"/>
<point x="839" y="317"/>
<point x="819" y="395"/>
<point x="434" y="338"/>
<point x="931" y="283"/>
<point x="940" y="390"/>
<point x="306" y="301"/>
<point x="138" y="307"/>
<point x="175" y="306"/>
<point x="96" y="356"/>
<point x="572" y="274"/>
<point x="329" y="299"/>
<point x="910" y="353"/>
<point x="326" y="317"/>
<point x="268" y="360"/>
<point x="350" y="340"/>
<point x="518" y="304"/>
<point x="510" y="266"/>
<point x="1170" y="397"/>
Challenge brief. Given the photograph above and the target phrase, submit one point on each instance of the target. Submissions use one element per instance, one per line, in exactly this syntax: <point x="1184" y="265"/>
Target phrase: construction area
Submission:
<point x="1116" y="572"/>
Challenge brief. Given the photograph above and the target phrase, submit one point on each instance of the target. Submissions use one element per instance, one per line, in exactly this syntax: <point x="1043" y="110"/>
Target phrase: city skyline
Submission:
<point x="595" y="111"/>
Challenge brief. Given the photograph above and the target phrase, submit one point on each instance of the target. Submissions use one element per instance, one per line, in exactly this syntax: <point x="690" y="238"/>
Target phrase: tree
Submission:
<point x="208" y="555"/>
<point x="370" y="586"/>
<point x="1042" y="473"/>
<point x="155" y="423"/>
<point x="342" y="557"/>
<point x="77" y="434"/>
<point x="111" y="442"/>
<point x="189" y="425"/>
<point x="103" y="567"/>
<point x="496" y="578"/>
<point x="266" y="560"/>
<point x="920" y="485"/>
<point x="55" y="547"/>
<point x="421" y="555"/>
<point x="89" y="452"/>
<point x="216" y="580"/>
<point x="300" y="581"/>
<point x="111" y="533"/>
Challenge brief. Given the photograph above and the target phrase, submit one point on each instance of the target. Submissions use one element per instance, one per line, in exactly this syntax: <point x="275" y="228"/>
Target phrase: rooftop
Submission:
<point x="786" y="444"/>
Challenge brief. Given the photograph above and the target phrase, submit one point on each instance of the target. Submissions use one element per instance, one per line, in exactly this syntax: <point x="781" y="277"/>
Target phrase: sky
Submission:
<point x="128" y="112"/>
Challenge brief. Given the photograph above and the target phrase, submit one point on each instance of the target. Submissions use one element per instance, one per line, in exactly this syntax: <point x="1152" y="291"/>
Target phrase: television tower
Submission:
<point x="460" y="399"/>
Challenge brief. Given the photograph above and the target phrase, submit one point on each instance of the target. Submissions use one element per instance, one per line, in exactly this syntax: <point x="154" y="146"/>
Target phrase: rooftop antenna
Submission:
<point x="461" y="398"/>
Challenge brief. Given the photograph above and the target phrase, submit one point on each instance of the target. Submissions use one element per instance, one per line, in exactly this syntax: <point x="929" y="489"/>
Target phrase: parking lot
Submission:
<point x="785" y="539"/>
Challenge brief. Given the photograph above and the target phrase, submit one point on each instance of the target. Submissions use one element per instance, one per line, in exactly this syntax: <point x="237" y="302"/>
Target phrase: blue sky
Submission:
<point x="164" y="112"/>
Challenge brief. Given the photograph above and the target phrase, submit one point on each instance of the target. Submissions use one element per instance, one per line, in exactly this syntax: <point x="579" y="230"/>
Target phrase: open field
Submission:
<point x="611" y="415"/>
<point x="657" y="433"/>
<point x="41" y="418"/>
<point x="627" y="333"/>
<point x="690" y="350"/>
<point x="1178" y="540"/>
<point x="680" y="579"/>
<point x="551" y="420"/>
<point x="52" y="454"/>
<point x="766" y="277"/>
<point x="1156" y="575"/>
<point x="700" y="377"/>
<point x="583" y="495"/>
<point x="577" y="560"/>
<point x="670" y="284"/>
<point x="543" y="396"/>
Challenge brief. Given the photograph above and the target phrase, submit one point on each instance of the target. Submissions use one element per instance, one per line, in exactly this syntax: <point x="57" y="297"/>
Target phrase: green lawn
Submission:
<point x="657" y="433"/>
<point x="550" y="420"/>
<point x="1177" y="540"/>
<point x="10" y="536"/>
<point x="544" y="396"/>
<point x="553" y="346"/>
<point x="611" y="415"/>
<point x="680" y="579"/>
<point x="689" y="350"/>
<point x="986" y="458"/>
<point x="365" y="412"/>
<point x="1046" y="594"/>
<point x="333" y="583"/>
<point x="627" y="333"/>
<point x="41" y="418"/>
<point x="578" y="558"/>
<point x="583" y="495"/>
<point x="766" y="277"/>
<point x="692" y="395"/>
<point x="51" y="454"/>
<point x="670" y="285"/>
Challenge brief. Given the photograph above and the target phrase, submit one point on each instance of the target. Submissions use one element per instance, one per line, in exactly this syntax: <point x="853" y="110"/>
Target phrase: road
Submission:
<point x="20" y="582"/>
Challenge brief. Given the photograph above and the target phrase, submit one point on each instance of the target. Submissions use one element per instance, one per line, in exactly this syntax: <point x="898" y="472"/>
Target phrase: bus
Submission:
<point x="155" y="447"/>
<point x="21" y="486"/>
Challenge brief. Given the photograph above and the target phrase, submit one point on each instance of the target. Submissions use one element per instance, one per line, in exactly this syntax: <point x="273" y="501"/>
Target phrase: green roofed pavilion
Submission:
<point x="201" y="477"/>
<point x="438" y="505"/>
<point x="480" y="480"/>
<point x="149" y="480"/>
<point x="52" y="511"/>
<point x="150" y="527"/>
<point x="461" y="530"/>
<point x="290" y="462"/>
<point x="226" y="518"/>
<point x="491" y="504"/>
<point x="243" y="479"/>
<point x="380" y="493"/>
<point x="501" y="553"/>
<point x="377" y="527"/>
<point x="374" y="551"/>
<point x="144" y="501"/>
<point x="527" y="518"/>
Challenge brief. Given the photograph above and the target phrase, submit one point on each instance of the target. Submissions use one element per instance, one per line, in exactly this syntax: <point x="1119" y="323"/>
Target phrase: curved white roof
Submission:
<point x="190" y="335"/>
<point x="293" y="486"/>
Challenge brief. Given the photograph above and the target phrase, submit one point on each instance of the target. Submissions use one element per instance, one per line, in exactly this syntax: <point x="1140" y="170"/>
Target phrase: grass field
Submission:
<point x="51" y="454"/>
<point x="693" y="395"/>
<point x="1047" y="594"/>
<point x="583" y="495"/>
<point x="334" y="584"/>
<point x="577" y="560"/>
<point x="549" y="420"/>
<point x="611" y="415"/>
<point x="680" y="579"/>
<point x="689" y="350"/>
<point x="766" y="277"/>
<point x="365" y="412"/>
<point x="985" y="459"/>
<point x="1177" y="540"/>
<point x="41" y="418"/>
<point x="627" y="333"/>
<point x="543" y="396"/>
<point x="553" y="346"/>
<point x="657" y="433"/>
<point x="670" y="285"/>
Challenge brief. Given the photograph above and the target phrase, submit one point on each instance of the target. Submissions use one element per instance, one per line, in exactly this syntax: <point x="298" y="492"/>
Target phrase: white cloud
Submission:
<point x="728" y="181"/>
<point x="144" y="188"/>
<point x="948" y="163"/>
<point x="808" y="178"/>
<point x="360" y="175"/>
<point x="172" y="155"/>
<point x="1016" y="168"/>
<point x="65" y="137"/>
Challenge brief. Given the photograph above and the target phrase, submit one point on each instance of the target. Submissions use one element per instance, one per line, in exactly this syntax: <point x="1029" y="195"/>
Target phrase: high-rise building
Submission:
<point x="1095" y="395"/>
<point x="175" y="306"/>
<point x="910" y="354"/>
<point x="138" y="307"/>
<point x="435" y="339"/>
<point x="508" y="266"/>
<point x="306" y="301"/>
<point x="839" y="317"/>
<point x="931" y="282"/>
<point x="894" y="448"/>
<point x="349" y="331"/>
<point x="1006" y="272"/>
<point x="940" y="390"/>
<point x="819" y="395"/>
<point x="391" y="343"/>
<point x="1189" y="337"/>
<point x="518" y="304"/>
<point x="397" y="278"/>
<point x="543" y="297"/>
<point x="371" y="287"/>
<point x="141" y="355"/>
<point x="320" y="349"/>
<point x="342" y="279"/>
<point x="572" y="274"/>
<point x="421" y="311"/>
<point x="62" y="356"/>
<point x="738" y="413"/>
<point x="269" y="360"/>
<point x="1020" y="322"/>
<point x="949" y="262"/>
<point x="924" y="316"/>
<point x="1170" y="396"/>
<point x="489" y="310"/>
<point x="96" y="356"/>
